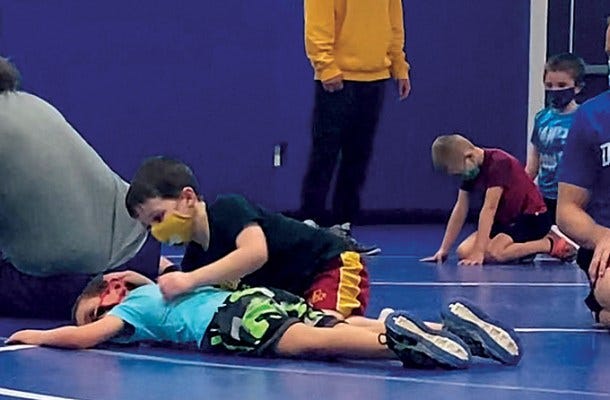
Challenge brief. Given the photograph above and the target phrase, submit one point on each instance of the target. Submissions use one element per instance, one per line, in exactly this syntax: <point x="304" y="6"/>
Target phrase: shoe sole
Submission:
<point x="444" y="348"/>
<point x="372" y="252"/>
<point x="466" y="320"/>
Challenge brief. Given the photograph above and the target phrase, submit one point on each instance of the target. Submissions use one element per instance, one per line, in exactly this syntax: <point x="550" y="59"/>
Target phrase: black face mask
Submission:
<point x="559" y="99"/>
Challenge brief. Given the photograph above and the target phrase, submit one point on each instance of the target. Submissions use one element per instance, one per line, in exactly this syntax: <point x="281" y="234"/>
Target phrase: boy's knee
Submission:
<point x="495" y="255"/>
<point x="462" y="250"/>
<point x="604" y="318"/>
<point x="299" y="339"/>
<point x="602" y="291"/>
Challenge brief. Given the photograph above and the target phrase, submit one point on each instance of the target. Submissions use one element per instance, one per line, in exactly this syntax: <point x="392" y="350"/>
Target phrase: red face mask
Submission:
<point x="115" y="293"/>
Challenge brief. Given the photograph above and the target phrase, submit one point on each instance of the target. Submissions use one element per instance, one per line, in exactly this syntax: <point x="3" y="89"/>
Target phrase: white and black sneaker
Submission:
<point x="417" y="345"/>
<point x="484" y="336"/>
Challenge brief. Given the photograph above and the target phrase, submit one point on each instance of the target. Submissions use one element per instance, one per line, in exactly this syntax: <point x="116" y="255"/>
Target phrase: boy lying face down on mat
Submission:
<point x="127" y="307"/>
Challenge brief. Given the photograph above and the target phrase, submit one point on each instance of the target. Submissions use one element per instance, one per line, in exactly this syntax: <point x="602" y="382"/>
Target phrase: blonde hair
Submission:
<point x="449" y="150"/>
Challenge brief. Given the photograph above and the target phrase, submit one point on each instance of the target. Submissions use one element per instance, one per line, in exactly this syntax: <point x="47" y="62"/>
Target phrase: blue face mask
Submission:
<point x="559" y="99"/>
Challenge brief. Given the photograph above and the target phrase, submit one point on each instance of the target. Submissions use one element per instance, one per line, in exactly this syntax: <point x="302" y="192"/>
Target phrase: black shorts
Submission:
<point x="526" y="228"/>
<point x="583" y="259"/>
<point x="551" y="208"/>
<point x="252" y="321"/>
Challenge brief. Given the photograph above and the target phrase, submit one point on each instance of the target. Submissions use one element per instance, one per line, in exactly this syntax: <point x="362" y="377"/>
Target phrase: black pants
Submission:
<point x="344" y="125"/>
<point x="26" y="296"/>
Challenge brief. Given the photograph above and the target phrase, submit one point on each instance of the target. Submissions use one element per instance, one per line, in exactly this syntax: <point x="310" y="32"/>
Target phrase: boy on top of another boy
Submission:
<point x="232" y="239"/>
<point x="513" y="221"/>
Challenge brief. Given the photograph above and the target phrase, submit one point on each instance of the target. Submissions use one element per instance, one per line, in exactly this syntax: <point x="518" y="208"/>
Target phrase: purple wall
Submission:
<point x="219" y="83"/>
<point x="589" y="37"/>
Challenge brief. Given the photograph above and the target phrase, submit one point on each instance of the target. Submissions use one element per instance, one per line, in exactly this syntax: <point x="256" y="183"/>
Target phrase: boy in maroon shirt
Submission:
<point x="513" y="221"/>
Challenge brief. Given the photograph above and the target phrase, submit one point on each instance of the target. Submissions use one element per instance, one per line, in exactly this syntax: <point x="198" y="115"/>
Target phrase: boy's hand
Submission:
<point x="128" y="276"/>
<point x="439" y="257"/>
<point x="333" y="84"/>
<point x="601" y="259"/>
<point x="174" y="284"/>
<point x="404" y="88"/>
<point x="475" y="258"/>
<point x="28" y="336"/>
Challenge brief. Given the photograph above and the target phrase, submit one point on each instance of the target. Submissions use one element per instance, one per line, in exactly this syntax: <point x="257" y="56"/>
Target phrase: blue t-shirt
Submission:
<point x="183" y="320"/>
<point x="586" y="158"/>
<point x="549" y="136"/>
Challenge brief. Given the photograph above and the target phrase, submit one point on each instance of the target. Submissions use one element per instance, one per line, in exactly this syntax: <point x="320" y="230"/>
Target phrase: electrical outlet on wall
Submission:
<point x="279" y="151"/>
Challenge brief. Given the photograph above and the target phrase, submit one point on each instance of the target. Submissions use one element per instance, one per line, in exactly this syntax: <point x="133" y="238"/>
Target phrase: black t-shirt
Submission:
<point x="297" y="252"/>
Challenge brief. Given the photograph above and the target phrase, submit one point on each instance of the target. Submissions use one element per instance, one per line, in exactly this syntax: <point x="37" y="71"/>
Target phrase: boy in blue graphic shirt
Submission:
<point x="564" y="76"/>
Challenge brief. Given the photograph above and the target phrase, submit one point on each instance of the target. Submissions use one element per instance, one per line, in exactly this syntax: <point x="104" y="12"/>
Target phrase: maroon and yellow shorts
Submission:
<point x="343" y="286"/>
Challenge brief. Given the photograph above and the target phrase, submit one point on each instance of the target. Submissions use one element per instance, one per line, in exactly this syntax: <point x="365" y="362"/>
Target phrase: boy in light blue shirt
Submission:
<point x="127" y="307"/>
<point x="564" y="76"/>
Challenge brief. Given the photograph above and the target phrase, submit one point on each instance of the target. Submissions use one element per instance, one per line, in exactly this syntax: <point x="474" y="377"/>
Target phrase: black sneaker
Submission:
<point x="484" y="336"/>
<point x="344" y="231"/>
<point x="420" y="346"/>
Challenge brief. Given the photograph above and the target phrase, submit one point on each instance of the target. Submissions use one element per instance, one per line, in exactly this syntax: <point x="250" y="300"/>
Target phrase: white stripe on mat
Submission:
<point x="36" y="396"/>
<point x="354" y="375"/>
<point x="561" y="330"/>
<point x="404" y="256"/>
<point x="475" y="284"/>
<point x="29" y="395"/>
<point x="16" y="346"/>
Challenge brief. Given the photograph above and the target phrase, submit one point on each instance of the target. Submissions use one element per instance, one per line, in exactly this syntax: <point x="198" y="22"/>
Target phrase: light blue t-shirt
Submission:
<point x="183" y="320"/>
<point x="549" y="136"/>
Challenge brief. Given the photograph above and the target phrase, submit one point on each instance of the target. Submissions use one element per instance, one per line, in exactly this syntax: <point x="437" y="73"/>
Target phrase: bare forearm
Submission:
<point x="531" y="171"/>
<point x="533" y="163"/>
<point x="164" y="262"/>
<point x="486" y="218"/>
<point x="139" y="280"/>
<point x="454" y="226"/>
<point x="233" y="266"/>
<point x="67" y="337"/>
<point x="579" y="226"/>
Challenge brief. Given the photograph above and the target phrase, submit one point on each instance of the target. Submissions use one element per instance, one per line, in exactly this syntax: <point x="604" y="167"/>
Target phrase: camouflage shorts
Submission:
<point x="252" y="321"/>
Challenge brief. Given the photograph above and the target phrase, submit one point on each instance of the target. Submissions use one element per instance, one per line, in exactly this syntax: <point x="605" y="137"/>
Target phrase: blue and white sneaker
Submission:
<point x="484" y="336"/>
<point x="420" y="346"/>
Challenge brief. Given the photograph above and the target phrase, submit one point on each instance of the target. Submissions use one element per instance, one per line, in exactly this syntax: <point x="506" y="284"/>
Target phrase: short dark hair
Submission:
<point x="162" y="177"/>
<point x="567" y="62"/>
<point x="94" y="288"/>
<point x="9" y="76"/>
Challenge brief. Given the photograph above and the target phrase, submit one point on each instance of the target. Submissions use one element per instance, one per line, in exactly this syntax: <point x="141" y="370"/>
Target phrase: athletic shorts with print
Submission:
<point x="252" y="321"/>
<point x="342" y="287"/>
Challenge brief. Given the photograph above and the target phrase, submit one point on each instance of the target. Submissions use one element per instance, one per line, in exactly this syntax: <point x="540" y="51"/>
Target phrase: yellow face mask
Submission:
<point x="176" y="228"/>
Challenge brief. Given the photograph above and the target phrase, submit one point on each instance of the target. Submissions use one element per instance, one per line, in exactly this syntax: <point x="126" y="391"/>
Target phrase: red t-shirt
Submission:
<point x="520" y="195"/>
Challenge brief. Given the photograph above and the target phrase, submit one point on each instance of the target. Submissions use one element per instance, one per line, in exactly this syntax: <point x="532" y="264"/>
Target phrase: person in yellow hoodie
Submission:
<point x="354" y="50"/>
